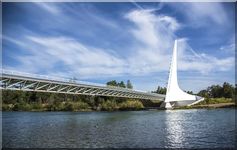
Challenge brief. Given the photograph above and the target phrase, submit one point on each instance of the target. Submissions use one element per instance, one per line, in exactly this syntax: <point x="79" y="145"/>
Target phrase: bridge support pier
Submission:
<point x="166" y="105"/>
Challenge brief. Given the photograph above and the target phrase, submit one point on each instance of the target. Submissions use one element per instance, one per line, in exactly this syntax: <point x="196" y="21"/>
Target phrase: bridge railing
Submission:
<point x="61" y="79"/>
<point x="45" y="77"/>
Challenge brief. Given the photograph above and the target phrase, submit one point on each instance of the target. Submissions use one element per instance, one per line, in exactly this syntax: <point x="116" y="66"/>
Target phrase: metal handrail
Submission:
<point x="60" y="79"/>
<point x="11" y="72"/>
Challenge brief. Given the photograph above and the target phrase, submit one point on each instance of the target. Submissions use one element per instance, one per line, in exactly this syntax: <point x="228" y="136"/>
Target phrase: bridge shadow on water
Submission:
<point x="150" y="104"/>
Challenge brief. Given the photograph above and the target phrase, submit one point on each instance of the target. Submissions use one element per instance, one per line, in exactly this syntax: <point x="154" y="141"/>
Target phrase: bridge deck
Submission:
<point x="15" y="81"/>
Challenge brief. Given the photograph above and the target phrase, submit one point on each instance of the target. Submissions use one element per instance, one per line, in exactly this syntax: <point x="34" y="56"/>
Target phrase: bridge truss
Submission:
<point x="16" y="81"/>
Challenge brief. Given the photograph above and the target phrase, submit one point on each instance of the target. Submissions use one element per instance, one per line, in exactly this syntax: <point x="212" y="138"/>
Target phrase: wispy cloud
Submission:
<point x="229" y="47"/>
<point x="50" y="7"/>
<point x="133" y="43"/>
<point x="202" y="62"/>
<point x="159" y="38"/>
<point x="200" y="14"/>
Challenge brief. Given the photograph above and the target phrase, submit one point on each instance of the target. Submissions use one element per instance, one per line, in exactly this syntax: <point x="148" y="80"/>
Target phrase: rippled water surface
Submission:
<point x="141" y="129"/>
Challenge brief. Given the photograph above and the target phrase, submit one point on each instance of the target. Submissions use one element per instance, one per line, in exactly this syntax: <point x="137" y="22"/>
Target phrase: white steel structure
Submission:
<point x="174" y="95"/>
<point x="29" y="82"/>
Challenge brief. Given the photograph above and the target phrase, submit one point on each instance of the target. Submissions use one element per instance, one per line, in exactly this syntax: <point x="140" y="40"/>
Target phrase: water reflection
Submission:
<point x="174" y="129"/>
<point x="138" y="129"/>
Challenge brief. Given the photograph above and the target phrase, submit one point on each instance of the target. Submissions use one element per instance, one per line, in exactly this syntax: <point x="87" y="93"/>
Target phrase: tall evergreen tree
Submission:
<point x="121" y="84"/>
<point x="129" y="84"/>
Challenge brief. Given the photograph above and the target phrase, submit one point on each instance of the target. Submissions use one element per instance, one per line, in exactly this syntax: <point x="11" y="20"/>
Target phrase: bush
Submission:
<point x="109" y="105"/>
<point x="7" y="107"/>
<point x="216" y="101"/>
<point x="75" y="106"/>
<point x="131" y="104"/>
<point x="21" y="107"/>
<point x="81" y="106"/>
<point x="68" y="106"/>
<point x="37" y="106"/>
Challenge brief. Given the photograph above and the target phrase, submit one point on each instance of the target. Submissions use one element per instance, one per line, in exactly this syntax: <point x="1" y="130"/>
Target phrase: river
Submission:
<point x="194" y="128"/>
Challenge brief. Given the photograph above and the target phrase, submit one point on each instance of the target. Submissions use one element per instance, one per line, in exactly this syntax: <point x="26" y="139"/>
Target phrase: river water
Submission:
<point x="194" y="128"/>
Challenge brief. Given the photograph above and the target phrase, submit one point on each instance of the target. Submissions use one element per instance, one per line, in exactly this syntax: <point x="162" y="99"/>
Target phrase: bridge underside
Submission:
<point x="16" y="82"/>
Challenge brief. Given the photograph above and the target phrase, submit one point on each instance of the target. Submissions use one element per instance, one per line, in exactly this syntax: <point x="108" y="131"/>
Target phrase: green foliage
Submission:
<point x="41" y="101"/>
<point x="36" y="106"/>
<point x="120" y="84"/>
<point x="127" y="104"/>
<point x="216" y="91"/>
<point x="31" y="101"/>
<point x="7" y="107"/>
<point x="189" y="92"/>
<point x="160" y="90"/>
<point x="21" y="106"/>
<point x="131" y="105"/>
<point x="215" y="101"/>
<point x="112" y="83"/>
<point x="129" y="85"/>
<point x="68" y="106"/>
<point x="109" y="105"/>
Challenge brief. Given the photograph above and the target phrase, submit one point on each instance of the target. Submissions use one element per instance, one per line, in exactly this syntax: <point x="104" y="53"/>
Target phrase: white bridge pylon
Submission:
<point x="174" y="95"/>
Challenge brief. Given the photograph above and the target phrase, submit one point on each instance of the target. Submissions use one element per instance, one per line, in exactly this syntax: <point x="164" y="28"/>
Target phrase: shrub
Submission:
<point x="131" y="104"/>
<point x="75" y="106"/>
<point x="68" y="106"/>
<point x="36" y="106"/>
<point x="215" y="101"/>
<point x="7" y="107"/>
<point x="109" y="105"/>
<point x="21" y="107"/>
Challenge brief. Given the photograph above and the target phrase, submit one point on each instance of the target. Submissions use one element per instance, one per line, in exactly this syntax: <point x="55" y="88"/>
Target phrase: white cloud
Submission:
<point x="230" y="46"/>
<point x="204" y="63"/>
<point x="171" y="22"/>
<point x="154" y="35"/>
<point x="50" y="7"/>
<point x="82" y="60"/>
<point x="200" y="14"/>
<point x="158" y="38"/>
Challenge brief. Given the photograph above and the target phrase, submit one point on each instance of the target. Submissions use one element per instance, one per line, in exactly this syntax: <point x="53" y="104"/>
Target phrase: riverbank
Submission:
<point x="39" y="101"/>
<point x="31" y="101"/>
<point x="212" y="103"/>
<point x="220" y="105"/>
<point x="101" y="105"/>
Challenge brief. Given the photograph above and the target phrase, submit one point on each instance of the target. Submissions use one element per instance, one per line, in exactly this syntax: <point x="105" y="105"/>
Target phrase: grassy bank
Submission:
<point x="216" y="101"/>
<point x="212" y="103"/>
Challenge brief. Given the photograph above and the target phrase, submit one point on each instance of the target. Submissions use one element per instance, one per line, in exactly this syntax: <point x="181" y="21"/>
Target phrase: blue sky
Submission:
<point x="98" y="42"/>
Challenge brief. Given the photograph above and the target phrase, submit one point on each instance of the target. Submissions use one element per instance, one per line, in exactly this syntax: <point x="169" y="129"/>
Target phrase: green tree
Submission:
<point x="121" y="84"/>
<point x="216" y="91"/>
<point x="202" y="93"/>
<point x="112" y="83"/>
<point x="160" y="90"/>
<point x="129" y="84"/>
<point x="228" y="90"/>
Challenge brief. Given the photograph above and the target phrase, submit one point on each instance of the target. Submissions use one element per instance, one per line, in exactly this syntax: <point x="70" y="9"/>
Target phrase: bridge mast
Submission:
<point x="174" y="95"/>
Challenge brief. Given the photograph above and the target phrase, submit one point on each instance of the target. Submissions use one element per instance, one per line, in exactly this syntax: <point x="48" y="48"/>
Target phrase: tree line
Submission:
<point x="43" y="101"/>
<point x="120" y="84"/>
<point x="226" y="90"/>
